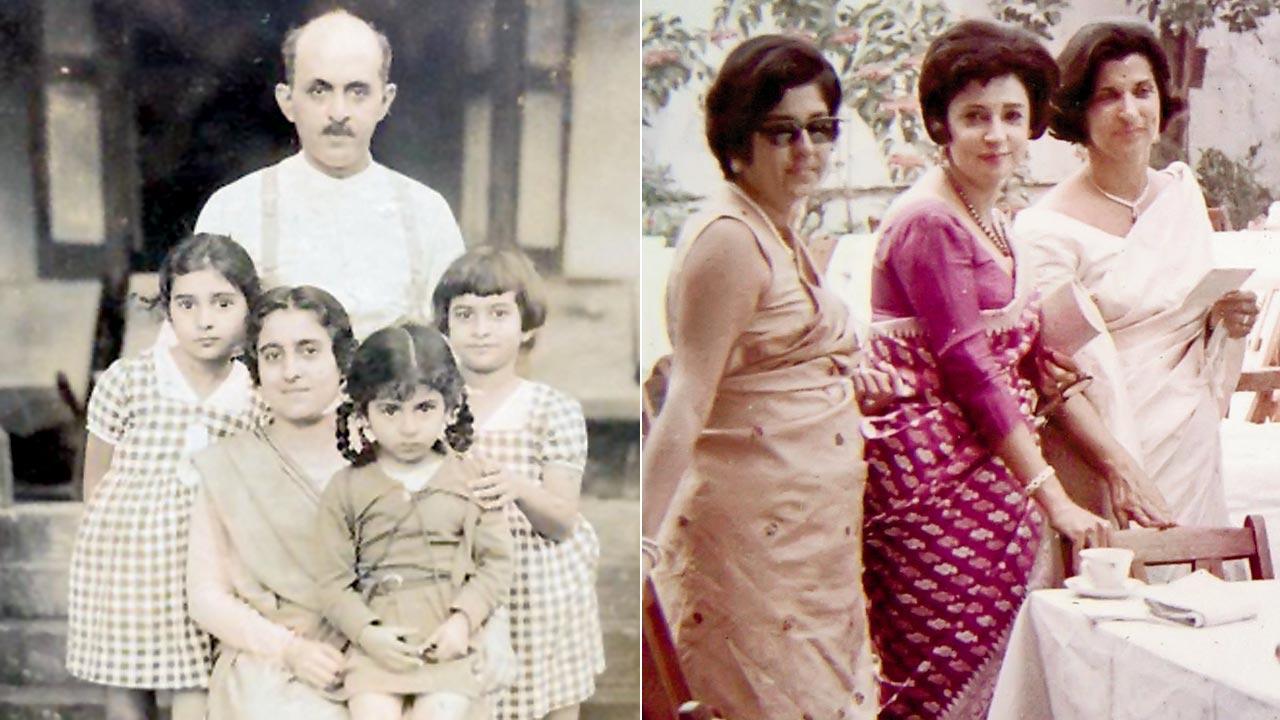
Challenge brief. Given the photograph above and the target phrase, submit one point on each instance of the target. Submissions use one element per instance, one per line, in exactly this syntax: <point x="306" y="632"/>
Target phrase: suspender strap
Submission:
<point x="418" y="298"/>
<point x="270" y="266"/>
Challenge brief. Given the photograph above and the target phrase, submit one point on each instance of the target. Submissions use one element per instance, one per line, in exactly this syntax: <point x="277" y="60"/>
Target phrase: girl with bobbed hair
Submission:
<point x="957" y="483"/>
<point x="1136" y="241"/>
<point x="753" y="469"/>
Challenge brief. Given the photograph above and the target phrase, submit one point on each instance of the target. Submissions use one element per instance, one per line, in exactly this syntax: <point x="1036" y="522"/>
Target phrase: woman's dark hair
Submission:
<point x="492" y="270"/>
<point x="751" y="83"/>
<point x="328" y="311"/>
<point x="1082" y="58"/>
<point x="981" y="50"/>
<point x="205" y="251"/>
<point x="392" y="363"/>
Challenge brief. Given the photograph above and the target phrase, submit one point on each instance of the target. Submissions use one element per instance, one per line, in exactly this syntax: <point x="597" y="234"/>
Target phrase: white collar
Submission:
<point x="298" y="163"/>
<point x="234" y="395"/>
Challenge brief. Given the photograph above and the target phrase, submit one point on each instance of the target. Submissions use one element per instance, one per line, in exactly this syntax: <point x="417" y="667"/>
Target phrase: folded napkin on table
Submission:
<point x="1199" y="600"/>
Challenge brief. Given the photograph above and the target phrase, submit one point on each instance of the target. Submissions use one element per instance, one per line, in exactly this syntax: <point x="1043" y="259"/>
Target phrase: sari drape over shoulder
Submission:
<point x="950" y="536"/>
<point x="1161" y="386"/>
<point x="269" y="513"/>
<point x="762" y="578"/>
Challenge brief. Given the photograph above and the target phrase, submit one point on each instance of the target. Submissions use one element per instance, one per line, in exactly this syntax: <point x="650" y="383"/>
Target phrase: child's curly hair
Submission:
<point x="393" y="362"/>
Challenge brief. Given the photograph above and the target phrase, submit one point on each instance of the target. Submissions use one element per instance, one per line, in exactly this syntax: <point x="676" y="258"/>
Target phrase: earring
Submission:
<point x="735" y="166"/>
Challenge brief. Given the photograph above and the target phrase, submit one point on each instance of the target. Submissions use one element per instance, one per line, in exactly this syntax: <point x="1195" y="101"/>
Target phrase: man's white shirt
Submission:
<point x="345" y="235"/>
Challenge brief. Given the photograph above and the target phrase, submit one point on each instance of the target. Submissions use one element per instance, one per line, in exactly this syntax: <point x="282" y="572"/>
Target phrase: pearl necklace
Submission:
<point x="1133" y="206"/>
<point x="994" y="231"/>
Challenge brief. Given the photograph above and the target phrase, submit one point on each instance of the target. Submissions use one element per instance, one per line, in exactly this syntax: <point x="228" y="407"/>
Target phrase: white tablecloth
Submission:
<point x="1062" y="665"/>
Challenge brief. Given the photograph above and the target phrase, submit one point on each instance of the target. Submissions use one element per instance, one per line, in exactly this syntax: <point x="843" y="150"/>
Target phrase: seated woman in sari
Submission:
<point x="956" y="480"/>
<point x="1137" y="241"/>
<point x="252" y="567"/>
<point x="756" y="449"/>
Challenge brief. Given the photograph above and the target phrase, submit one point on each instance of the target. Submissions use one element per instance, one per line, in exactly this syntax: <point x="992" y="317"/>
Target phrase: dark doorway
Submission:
<point x="202" y="75"/>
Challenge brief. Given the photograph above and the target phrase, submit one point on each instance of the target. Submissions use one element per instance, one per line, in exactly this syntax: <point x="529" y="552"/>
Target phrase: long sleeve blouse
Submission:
<point x="214" y="603"/>
<point x="929" y="266"/>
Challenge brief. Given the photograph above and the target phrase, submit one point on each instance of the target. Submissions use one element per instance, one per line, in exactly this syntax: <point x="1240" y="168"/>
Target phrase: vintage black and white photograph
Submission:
<point x="320" y="389"/>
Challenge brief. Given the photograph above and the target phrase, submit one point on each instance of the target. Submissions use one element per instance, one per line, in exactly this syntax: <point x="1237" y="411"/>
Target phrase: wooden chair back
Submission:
<point x="1201" y="547"/>
<point x="663" y="687"/>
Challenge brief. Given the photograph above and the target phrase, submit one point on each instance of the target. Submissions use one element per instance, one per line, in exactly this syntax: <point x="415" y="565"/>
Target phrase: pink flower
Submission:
<point x="874" y="71"/>
<point x="846" y="36"/>
<point x="906" y="160"/>
<point x="665" y="56"/>
<point x="723" y="34"/>
<point x="901" y="103"/>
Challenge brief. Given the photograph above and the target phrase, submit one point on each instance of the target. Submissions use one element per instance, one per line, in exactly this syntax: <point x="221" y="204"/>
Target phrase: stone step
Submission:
<point x="33" y="590"/>
<point x="611" y="711"/>
<point x="82" y="701"/>
<point x="34" y="652"/>
<point x="78" y="701"/>
<point x="38" y="532"/>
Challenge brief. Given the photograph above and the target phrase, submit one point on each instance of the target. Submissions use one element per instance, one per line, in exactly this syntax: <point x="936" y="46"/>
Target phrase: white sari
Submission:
<point x="1160" y="386"/>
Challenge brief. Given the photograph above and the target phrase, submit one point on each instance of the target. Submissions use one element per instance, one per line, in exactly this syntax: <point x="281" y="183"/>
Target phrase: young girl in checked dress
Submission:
<point x="129" y="628"/>
<point x="489" y="302"/>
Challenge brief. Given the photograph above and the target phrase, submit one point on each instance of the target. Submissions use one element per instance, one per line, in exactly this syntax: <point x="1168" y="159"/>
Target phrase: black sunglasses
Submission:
<point x="781" y="133"/>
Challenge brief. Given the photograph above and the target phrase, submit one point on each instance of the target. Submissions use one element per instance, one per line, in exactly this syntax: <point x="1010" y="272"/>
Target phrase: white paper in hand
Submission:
<point x="1215" y="283"/>
<point x="1071" y="319"/>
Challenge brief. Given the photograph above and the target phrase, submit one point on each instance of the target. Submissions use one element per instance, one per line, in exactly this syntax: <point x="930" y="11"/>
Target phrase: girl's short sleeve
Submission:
<point x="563" y="439"/>
<point x="110" y="411"/>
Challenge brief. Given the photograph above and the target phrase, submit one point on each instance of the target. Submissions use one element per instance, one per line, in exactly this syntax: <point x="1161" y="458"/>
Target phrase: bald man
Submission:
<point x="330" y="216"/>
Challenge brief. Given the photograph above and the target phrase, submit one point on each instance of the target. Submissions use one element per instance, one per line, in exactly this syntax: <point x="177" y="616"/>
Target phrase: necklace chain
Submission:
<point x="1133" y="206"/>
<point x="995" y="231"/>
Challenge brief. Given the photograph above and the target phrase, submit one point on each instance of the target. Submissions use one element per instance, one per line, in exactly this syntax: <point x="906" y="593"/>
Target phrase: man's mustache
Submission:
<point x="338" y="129"/>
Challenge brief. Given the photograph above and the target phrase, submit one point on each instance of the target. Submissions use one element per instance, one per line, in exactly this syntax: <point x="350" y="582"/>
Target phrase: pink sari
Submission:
<point x="949" y="535"/>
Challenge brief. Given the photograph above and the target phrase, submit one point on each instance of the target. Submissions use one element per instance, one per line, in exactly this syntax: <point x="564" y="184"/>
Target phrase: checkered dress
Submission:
<point x="555" y="617"/>
<point x="129" y="625"/>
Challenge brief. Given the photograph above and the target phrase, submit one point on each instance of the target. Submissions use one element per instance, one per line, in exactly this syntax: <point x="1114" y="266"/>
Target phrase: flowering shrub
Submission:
<point x="876" y="48"/>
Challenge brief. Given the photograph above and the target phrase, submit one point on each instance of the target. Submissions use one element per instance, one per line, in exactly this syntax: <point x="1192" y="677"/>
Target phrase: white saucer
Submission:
<point x="1081" y="586"/>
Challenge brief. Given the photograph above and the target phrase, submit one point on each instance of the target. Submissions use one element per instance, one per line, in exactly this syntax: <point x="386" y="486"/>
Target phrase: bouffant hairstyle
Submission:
<point x="1082" y="58"/>
<point x="392" y="363"/>
<point x="206" y="251"/>
<point x="751" y="83"/>
<point x="328" y="311"/>
<point x="980" y="50"/>
<point x="492" y="270"/>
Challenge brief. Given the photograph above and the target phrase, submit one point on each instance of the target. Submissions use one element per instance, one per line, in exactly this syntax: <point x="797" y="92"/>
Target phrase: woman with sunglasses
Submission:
<point x="957" y="483"/>
<point x="753" y="470"/>
<point x="1137" y="241"/>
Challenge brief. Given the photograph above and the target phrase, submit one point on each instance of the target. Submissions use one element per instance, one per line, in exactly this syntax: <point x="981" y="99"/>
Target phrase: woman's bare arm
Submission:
<point x="721" y="282"/>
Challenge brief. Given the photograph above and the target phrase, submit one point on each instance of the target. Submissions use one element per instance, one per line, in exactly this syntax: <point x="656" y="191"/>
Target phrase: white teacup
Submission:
<point x="1106" y="568"/>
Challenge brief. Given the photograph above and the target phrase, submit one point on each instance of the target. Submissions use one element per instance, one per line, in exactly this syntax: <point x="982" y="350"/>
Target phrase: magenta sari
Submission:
<point x="950" y="537"/>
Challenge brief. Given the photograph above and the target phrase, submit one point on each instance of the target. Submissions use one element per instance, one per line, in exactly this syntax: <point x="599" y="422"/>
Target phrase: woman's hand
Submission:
<point x="451" y="640"/>
<point x="1134" y="498"/>
<point x="494" y="487"/>
<point x="1080" y="525"/>
<point x="386" y="644"/>
<point x="874" y="387"/>
<point x="1237" y="311"/>
<point x="316" y="664"/>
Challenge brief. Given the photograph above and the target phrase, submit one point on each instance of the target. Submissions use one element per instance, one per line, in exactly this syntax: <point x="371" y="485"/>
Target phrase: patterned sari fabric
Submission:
<point x="761" y="573"/>
<point x="949" y="538"/>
